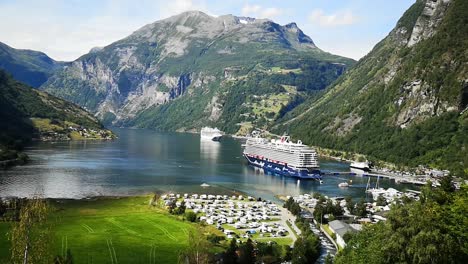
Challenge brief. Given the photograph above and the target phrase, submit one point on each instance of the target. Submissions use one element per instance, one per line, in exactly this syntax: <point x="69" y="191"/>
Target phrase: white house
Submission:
<point x="339" y="228"/>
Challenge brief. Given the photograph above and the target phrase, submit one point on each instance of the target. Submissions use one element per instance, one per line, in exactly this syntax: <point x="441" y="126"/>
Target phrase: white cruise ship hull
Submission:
<point x="212" y="137"/>
<point x="283" y="157"/>
<point x="282" y="169"/>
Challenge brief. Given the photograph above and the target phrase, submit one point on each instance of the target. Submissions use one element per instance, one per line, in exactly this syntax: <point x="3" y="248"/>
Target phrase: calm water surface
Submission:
<point x="144" y="161"/>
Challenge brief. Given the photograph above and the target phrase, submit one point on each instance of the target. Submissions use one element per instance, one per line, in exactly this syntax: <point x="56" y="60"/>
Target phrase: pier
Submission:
<point x="418" y="180"/>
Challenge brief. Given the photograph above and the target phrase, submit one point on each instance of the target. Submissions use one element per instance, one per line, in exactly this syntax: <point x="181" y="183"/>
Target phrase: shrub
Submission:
<point x="191" y="216"/>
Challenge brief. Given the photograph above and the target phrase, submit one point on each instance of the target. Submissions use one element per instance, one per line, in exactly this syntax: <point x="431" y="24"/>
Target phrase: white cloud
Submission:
<point x="340" y="18"/>
<point x="43" y="26"/>
<point x="248" y="9"/>
<point x="271" y="12"/>
<point x="259" y="11"/>
<point x="175" y="7"/>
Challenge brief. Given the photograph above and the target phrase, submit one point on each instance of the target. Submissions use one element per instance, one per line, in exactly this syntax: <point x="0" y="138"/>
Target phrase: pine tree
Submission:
<point x="247" y="254"/>
<point x="230" y="256"/>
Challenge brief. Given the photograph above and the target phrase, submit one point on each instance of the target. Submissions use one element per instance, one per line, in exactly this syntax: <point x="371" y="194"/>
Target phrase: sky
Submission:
<point x="67" y="29"/>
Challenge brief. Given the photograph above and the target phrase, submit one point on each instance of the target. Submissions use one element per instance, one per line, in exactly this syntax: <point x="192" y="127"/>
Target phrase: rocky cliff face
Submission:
<point x="190" y="56"/>
<point x="406" y="100"/>
<point x="419" y="98"/>
<point x="416" y="98"/>
<point x="427" y="23"/>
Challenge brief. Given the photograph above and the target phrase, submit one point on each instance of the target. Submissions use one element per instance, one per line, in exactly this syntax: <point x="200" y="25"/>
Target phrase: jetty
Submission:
<point x="417" y="180"/>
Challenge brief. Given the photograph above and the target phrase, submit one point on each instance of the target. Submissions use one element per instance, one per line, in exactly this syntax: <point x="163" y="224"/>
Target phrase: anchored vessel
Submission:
<point x="208" y="133"/>
<point x="364" y="166"/>
<point x="283" y="157"/>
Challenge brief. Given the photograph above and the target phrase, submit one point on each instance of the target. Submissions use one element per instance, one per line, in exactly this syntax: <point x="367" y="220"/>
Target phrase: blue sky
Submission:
<point x="67" y="29"/>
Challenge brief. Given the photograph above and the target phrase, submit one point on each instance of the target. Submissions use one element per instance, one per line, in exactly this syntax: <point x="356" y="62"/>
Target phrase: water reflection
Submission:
<point x="209" y="150"/>
<point x="143" y="161"/>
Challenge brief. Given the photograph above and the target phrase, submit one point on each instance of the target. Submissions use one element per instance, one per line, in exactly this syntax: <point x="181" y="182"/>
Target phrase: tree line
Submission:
<point x="431" y="230"/>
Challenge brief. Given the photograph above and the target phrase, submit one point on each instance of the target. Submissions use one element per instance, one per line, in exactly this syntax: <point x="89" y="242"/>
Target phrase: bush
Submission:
<point x="191" y="216"/>
<point x="215" y="239"/>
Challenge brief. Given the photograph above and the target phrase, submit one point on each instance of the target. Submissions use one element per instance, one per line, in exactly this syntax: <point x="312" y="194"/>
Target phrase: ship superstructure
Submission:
<point x="281" y="156"/>
<point x="364" y="166"/>
<point x="208" y="133"/>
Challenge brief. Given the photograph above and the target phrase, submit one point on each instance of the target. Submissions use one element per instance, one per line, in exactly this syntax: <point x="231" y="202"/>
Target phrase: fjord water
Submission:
<point x="145" y="161"/>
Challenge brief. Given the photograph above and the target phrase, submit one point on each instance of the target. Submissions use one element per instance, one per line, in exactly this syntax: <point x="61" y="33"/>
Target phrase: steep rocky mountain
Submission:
<point x="26" y="113"/>
<point x="28" y="66"/>
<point x="406" y="101"/>
<point x="193" y="70"/>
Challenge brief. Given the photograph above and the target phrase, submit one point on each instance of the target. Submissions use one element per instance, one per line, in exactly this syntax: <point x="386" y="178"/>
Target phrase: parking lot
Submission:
<point x="240" y="216"/>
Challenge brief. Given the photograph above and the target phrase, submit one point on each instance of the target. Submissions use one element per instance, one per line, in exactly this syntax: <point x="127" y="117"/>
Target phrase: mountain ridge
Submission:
<point x="404" y="102"/>
<point x="28" y="114"/>
<point x="29" y="66"/>
<point x="186" y="68"/>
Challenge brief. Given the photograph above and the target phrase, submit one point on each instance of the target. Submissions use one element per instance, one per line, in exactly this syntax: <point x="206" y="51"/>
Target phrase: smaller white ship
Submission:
<point x="208" y="133"/>
<point x="364" y="166"/>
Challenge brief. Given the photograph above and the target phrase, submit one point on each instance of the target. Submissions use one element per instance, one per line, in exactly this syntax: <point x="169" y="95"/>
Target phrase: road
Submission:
<point x="287" y="216"/>
<point x="326" y="248"/>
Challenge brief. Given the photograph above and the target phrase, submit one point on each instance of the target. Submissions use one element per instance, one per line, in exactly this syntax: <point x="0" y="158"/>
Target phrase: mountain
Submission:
<point x="192" y="70"/>
<point x="404" y="102"/>
<point x="26" y="113"/>
<point x="28" y="66"/>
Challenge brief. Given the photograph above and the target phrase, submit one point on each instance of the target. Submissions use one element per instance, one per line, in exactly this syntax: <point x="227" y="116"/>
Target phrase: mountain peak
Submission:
<point x="175" y="34"/>
<point x="245" y="20"/>
<point x="192" y="14"/>
<point x="291" y="25"/>
<point x="192" y="56"/>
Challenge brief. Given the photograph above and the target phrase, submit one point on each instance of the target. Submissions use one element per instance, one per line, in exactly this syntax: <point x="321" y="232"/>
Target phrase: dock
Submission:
<point x="418" y="180"/>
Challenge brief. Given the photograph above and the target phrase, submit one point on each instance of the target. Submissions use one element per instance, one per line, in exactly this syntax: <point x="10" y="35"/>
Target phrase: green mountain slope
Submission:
<point x="406" y="101"/>
<point x="26" y="113"/>
<point x="193" y="70"/>
<point x="28" y="66"/>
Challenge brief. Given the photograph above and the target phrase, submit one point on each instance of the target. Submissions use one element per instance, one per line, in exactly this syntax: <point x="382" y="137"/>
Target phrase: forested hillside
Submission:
<point x="28" y="66"/>
<point x="26" y="113"/>
<point x="431" y="230"/>
<point x="405" y="102"/>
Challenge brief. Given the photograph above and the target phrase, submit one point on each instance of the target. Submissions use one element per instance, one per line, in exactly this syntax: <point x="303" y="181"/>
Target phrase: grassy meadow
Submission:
<point x="125" y="230"/>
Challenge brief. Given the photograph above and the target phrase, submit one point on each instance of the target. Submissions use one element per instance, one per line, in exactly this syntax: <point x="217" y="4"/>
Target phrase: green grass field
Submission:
<point x="285" y="71"/>
<point x="4" y="243"/>
<point x="125" y="230"/>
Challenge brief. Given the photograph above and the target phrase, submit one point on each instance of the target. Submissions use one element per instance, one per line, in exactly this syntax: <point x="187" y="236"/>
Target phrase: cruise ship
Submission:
<point x="364" y="166"/>
<point x="208" y="133"/>
<point x="283" y="157"/>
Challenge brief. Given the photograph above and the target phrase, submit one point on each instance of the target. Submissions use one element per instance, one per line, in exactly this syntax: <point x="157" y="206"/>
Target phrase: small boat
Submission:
<point x="376" y="191"/>
<point x="205" y="185"/>
<point x="343" y="185"/>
